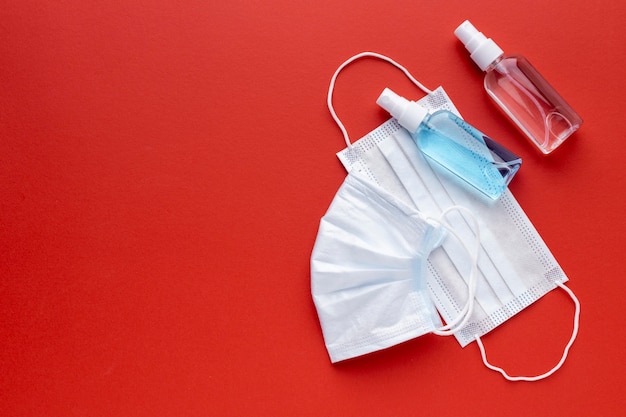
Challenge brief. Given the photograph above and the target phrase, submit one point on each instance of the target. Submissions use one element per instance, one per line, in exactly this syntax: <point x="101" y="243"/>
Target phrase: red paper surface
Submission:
<point x="163" y="169"/>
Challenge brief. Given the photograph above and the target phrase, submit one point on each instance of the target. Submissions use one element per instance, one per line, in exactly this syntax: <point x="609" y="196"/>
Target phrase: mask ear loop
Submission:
<point x="563" y="357"/>
<point x="464" y="315"/>
<point x="331" y="87"/>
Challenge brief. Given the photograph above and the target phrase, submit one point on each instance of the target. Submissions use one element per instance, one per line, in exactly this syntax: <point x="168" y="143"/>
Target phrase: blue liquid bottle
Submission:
<point x="455" y="145"/>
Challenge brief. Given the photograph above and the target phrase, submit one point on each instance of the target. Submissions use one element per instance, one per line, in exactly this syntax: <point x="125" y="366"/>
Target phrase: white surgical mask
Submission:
<point x="368" y="268"/>
<point x="515" y="267"/>
<point x="369" y="271"/>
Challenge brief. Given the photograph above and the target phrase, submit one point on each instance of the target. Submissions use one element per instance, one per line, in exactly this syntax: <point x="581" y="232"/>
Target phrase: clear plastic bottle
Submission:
<point x="521" y="91"/>
<point x="455" y="145"/>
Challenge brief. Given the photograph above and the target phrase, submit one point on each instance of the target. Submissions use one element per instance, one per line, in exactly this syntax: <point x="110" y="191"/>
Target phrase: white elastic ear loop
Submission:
<point x="558" y="365"/>
<point x="464" y="315"/>
<point x="331" y="87"/>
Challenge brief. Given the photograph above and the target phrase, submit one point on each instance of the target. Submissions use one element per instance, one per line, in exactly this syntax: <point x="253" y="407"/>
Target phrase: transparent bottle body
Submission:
<point x="531" y="102"/>
<point x="466" y="152"/>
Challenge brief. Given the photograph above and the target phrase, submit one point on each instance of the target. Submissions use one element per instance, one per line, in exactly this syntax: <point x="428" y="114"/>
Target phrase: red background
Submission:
<point x="163" y="169"/>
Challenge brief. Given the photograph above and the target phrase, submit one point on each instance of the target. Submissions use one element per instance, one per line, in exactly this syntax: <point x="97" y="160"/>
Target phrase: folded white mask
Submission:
<point x="515" y="266"/>
<point x="368" y="271"/>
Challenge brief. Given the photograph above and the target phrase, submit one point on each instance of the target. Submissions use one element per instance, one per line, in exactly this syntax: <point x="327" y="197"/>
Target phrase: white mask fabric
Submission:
<point x="368" y="271"/>
<point x="515" y="267"/>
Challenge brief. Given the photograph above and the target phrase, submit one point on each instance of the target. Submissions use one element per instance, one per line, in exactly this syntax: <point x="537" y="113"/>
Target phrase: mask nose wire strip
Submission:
<point x="331" y="87"/>
<point x="464" y="315"/>
<point x="557" y="366"/>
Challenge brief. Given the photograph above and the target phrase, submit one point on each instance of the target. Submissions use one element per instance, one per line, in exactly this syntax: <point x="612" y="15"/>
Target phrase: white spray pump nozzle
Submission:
<point x="409" y="114"/>
<point x="482" y="50"/>
<point x="469" y="35"/>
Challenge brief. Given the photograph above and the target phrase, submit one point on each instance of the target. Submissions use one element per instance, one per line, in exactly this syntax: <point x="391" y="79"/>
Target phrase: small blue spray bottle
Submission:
<point x="455" y="145"/>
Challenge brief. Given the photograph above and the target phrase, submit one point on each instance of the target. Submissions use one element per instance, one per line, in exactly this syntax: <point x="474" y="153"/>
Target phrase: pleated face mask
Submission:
<point x="514" y="268"/>
<point x="368" y="270"/>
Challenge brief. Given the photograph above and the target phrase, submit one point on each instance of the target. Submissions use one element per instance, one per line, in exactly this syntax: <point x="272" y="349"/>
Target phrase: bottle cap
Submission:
<point x="482" y="50"/>
<point x="409" y="114"/>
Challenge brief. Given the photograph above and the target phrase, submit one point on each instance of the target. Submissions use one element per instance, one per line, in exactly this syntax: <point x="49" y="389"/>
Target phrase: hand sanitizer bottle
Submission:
<point x="455" y="145"/>
<point x="518" y="88"/>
